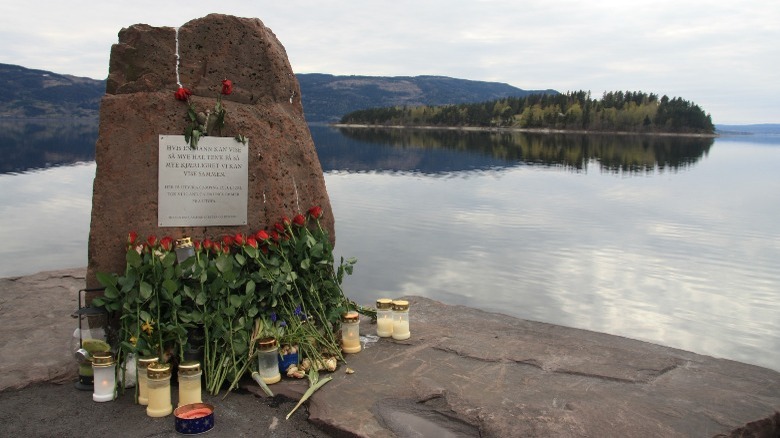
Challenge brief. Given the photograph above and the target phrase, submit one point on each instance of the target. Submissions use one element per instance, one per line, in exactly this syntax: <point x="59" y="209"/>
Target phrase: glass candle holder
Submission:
<point x="268" y="360"/>
<point x="189" y="383"/>
<point x="159" y="389"/>
<point x="401" y="320"/>
<point x="104" y="371"/>
<point x="350" y="332"/>
<point x="184" y="249"/>
<point x="143" y="390"/>
<point x="384" y="317"/>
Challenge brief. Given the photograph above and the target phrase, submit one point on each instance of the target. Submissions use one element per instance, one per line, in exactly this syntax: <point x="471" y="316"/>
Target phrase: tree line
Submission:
<point x="615" y="111"/>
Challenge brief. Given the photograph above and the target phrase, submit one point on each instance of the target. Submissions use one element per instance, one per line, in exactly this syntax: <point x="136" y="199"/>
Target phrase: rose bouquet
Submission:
<point x="234" y="289"/>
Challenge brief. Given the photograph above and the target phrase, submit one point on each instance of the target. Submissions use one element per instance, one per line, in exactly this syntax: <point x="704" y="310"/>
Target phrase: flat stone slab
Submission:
<point x="36" y="327"/>
<point x="464" y="372"/>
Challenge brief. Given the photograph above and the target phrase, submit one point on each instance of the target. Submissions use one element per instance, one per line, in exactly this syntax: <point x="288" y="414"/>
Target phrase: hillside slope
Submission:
<point x="30" y="93"/>
<point x="327" y="97"/>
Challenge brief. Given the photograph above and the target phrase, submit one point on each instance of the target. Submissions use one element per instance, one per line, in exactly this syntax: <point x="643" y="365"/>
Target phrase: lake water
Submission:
<point x="668" y="240"/>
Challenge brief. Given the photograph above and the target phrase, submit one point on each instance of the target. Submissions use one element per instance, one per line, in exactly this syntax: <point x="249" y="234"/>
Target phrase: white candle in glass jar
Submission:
<point x="189" y="383"/>
<point x="159" y="390"/>
<point x="141" y="365"/>
<point x="104" y="370"/>
<point x="384" y="317"/>
<point x="350" y="332"/>
<point x="401" y="320"/>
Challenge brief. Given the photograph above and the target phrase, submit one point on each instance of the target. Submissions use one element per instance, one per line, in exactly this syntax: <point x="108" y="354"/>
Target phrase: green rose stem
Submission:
<point x="314" y="384"/>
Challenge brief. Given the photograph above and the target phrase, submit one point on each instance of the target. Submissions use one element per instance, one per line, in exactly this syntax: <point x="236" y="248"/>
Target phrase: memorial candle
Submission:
<point x="350" y="332"/>
<point x="384" y="317"/>
<point x="104" y="370"/>
<point x="268" y="360"/>
<point x="401" y="320"/>
<point x="159" y="386"/>
<point x="189" y="383"/>
<point x="143" y="391"/>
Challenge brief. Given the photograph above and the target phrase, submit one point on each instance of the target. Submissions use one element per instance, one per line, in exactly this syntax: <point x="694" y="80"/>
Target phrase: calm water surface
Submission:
<point x="670" y="242"/>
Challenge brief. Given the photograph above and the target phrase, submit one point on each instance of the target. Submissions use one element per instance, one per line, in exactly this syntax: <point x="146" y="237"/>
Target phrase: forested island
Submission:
<point x="574" y="111"/>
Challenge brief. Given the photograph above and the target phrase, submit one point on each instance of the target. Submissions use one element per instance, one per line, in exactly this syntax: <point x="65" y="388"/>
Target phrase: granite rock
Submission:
<point x="285" y="176"/>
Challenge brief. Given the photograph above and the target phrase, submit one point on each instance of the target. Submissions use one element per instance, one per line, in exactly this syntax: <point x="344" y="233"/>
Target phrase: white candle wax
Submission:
<point x="103" y="384"/>
<point x="384" y="327"/>
<point x="401" y="329"/>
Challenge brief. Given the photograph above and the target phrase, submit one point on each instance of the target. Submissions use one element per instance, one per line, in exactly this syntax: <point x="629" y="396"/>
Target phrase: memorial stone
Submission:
<point x="139" y="114"/>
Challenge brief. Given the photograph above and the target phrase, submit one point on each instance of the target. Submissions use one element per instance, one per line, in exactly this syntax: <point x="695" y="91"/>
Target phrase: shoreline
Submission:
<point x="524" y="130"/>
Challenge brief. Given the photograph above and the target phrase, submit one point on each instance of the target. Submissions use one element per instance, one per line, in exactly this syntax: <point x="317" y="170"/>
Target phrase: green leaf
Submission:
<point x="240" y="259"/>
<point x="305" y="263"/>
<point x="144" y="315"/>
<point x="146" y="290"/>
<point x="111" y="292"/>
<point x="106" y="279"/>
<point x="224" y="264"/>
<point x="133" y="258"/>
<point x="236" y="301"/>
<point x="201" y="298"/>
<point x="171" y="286"/>
<point x="250" y="287"/>
<point x="169" y="259"/>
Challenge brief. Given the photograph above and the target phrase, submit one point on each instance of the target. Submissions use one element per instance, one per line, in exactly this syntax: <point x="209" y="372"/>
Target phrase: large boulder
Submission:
<point x="284" y="175"/>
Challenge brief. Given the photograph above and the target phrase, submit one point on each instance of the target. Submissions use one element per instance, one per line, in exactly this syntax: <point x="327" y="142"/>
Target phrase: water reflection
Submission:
<point x="684" y="259"/>
<point x="27" y="144"/>
<point x="443" y="151"/>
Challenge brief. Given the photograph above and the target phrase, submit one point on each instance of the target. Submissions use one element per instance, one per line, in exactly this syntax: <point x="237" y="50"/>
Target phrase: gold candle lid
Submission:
<point x="145" y="361"/>
<point x="158" y="371"/>
<point x="350" y="316"/>
<point x="400" y="305"/>
<point x="102" y="359"/>
<point x="189" y="368"/>
<point x="184" y="242"/>
<point x="266" y="343"/>
<point x="384" y="304"/>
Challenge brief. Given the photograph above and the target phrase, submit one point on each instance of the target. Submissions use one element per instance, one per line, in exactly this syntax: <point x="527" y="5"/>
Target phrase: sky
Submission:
<point x="722" y="55"/>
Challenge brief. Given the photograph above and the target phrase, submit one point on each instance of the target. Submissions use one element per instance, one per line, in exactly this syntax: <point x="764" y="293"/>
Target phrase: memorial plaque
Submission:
<point x="202" y="186"/>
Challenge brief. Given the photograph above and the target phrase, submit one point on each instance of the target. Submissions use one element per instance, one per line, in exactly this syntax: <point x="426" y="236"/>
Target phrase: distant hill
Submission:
<point x="29" y="93"/>
<point x="327" y="97"/>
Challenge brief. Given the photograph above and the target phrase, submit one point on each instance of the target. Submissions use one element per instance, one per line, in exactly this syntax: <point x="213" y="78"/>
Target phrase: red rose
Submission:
<point x="131" y="238"/>
<point x="299" y="220"/>
<point x="183" y="94"/>
<point x="151" y="241"/>
<point x="286" y="220"/>
<point x="196" y="244"/>
<point x="226" y="248"/>
<point x="166" y="243"/>
<point x="262" y="235"/>
<point x="315" y="212"/>
<point x="274" y="235"/>
<point x="227" y="240"/>
<point x="227" y="87"/>
<point x="207" y="244"/>
<point x="251" y="241"/>
<point x="279" y="227"/>
<point x="239" y="239"/>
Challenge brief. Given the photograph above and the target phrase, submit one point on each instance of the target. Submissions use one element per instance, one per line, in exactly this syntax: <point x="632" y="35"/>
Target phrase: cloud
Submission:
<point x="707" y="52"/>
